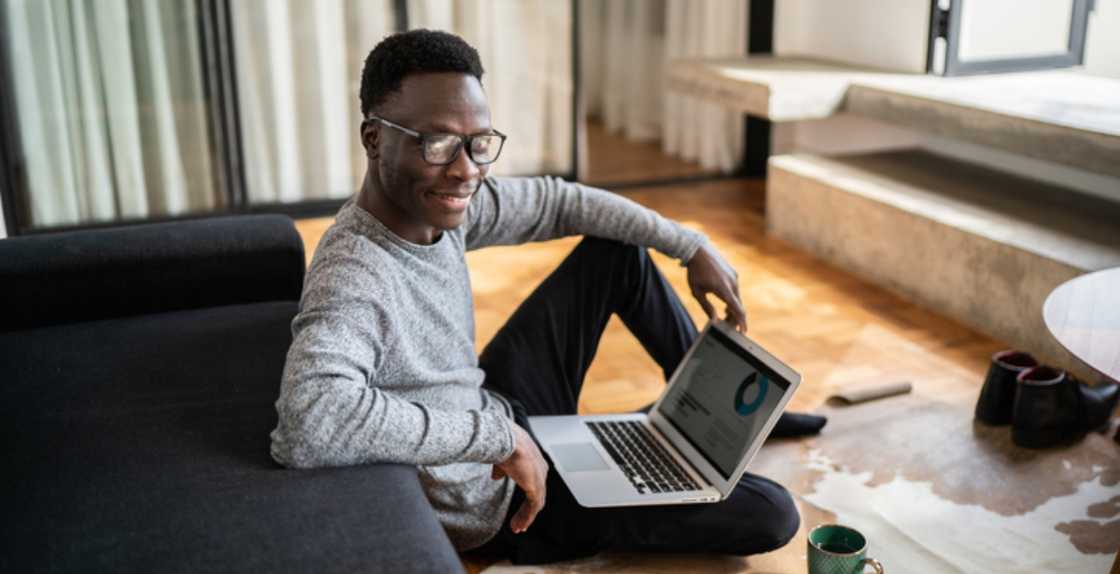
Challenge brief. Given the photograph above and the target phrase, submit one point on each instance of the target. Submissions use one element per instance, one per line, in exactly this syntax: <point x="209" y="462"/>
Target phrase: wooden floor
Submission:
<point x="613" y="159"/>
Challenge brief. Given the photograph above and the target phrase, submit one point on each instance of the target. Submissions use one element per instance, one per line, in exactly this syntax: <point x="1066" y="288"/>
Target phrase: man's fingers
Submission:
<point x="529" y="470"/>
<point x="735" y="310"/>
<point x="739" y="316"/>
<point x="497" y="473"/>
<point x="708" y="273"/>
<point x="526" y="514"/>
<point x="702" y="297"/>
<point x="534" y="502"/>
<point x="739" y="302"/>
<point x="521" y="520"/>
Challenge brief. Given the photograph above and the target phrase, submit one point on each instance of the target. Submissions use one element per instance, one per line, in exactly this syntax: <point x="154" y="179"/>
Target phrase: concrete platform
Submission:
<point x="773" y="87"/>
<point x="981" y="246"/>
<point x="1062" y="116"/>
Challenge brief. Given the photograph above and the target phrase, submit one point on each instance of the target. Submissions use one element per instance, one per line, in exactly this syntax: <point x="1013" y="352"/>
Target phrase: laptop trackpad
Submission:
<point x="578" y="457"/>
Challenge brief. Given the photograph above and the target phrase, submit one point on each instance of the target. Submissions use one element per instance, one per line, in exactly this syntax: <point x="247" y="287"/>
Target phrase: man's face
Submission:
<point x="428" y="199"/>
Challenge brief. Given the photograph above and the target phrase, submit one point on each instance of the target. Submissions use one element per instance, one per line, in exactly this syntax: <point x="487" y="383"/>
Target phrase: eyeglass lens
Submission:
<point x="441" y="149"/>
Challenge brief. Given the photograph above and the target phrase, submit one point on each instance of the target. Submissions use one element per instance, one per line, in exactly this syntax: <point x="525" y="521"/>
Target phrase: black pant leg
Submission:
<point x="540" y="357"/>
<point x="759" y="516"/>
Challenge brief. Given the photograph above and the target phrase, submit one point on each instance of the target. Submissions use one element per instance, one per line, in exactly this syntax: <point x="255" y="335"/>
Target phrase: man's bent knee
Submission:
<point x="623" y="259"/>
<point x="784" y="525"/>
<point x="779" y="526"/>
<point x="610" y="248"/>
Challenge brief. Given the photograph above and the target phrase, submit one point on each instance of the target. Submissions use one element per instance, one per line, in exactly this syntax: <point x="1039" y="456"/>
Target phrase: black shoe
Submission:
<point x="1097" y="404"/>
<point x="797" y="424"/>
<point x="997" y="397"/>
<point x="1046" y="409"/>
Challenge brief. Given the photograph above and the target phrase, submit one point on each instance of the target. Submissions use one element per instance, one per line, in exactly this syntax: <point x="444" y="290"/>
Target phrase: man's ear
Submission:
<point x="370" y="131"/>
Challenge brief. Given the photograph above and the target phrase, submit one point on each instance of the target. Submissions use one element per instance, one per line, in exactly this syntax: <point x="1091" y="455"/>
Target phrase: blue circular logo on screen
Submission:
<point x="760" y="384"/>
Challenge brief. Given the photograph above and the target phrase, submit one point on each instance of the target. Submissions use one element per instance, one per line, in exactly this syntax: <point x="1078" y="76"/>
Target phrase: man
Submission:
<point x="382" y="366"/>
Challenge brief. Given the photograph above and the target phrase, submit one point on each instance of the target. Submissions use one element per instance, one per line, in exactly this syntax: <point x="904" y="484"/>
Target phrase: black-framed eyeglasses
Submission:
<point x="442" y="149"/>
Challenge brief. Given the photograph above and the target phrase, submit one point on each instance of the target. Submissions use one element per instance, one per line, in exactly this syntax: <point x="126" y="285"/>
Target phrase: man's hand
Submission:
<point x="529" y="470"/>
<point x="709" y="273"/>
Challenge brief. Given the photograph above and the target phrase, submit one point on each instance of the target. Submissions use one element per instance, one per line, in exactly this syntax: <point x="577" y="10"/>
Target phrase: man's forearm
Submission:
<point x="325" y="425"/>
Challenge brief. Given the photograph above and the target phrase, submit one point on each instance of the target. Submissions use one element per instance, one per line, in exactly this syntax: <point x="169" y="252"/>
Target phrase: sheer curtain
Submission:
<point x="299" y="66"/>
<point x="525" y="47"/>
<point x="109" y="97"/>
<point x="628" y="46"/>
<point x="633" y="65"/>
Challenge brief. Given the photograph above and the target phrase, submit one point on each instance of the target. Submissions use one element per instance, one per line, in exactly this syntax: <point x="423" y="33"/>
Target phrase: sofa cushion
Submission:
<point x="89" y="274"/>
<point x="141" y="444"/>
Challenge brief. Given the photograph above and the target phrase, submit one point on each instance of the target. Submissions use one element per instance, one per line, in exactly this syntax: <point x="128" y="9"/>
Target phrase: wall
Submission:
<point x="890" y="35"/>
<point x="1102" y="42"/>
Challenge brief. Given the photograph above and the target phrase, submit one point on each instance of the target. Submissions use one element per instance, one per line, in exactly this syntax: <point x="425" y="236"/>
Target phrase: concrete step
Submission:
<point x="978" y="245"/>
<point x="1061" y="116"/>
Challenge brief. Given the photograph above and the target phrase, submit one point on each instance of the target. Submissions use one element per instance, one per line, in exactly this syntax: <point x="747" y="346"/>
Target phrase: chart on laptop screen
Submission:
<point x="721" y="400"/>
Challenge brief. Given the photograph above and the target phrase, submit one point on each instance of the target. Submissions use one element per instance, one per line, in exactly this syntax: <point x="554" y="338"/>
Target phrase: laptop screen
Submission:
<point x="722" y="399"/>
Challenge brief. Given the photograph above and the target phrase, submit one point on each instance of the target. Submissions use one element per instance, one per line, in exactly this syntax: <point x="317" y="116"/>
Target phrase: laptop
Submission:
<point x="695" y="443"/>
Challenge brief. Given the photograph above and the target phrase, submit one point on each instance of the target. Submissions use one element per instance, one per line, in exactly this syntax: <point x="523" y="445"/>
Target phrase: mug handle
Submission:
<point x="878" y="566"/>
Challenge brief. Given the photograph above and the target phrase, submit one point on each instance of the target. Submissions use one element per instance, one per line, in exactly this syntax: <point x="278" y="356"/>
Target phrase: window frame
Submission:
<point x="945" y="23"/>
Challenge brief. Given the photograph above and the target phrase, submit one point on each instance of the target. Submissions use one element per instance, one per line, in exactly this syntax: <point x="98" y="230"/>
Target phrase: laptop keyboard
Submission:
<point x="650" y="469"/>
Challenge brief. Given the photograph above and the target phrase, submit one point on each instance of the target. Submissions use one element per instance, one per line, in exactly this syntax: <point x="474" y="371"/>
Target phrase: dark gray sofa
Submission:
<point x="138" y="370"/>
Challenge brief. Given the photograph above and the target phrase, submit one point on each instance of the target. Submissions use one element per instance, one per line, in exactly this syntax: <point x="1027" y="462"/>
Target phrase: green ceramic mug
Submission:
<point x="835" y="549"/>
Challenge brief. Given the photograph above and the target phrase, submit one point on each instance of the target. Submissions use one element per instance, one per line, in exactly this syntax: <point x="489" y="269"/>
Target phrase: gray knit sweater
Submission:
<point x="383" y="368"/>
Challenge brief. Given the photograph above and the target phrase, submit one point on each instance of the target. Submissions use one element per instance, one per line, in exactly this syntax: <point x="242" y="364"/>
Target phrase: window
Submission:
<point x="986" y="36"/>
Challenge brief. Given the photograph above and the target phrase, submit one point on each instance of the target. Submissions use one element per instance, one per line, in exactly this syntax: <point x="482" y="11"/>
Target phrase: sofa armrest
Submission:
<point x="95" y="274"/>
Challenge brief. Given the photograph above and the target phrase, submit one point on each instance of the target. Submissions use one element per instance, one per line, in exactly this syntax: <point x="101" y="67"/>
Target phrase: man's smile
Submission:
<point x="453" y="201"/>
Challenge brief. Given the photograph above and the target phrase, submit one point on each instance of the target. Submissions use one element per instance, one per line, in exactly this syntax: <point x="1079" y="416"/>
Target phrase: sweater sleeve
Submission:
<point x="510" y="211"/>
<point x="332" y="409"/>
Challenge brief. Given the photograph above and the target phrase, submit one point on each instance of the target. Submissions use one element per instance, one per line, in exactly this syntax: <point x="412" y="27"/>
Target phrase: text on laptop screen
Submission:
<point x="722" y="399"/>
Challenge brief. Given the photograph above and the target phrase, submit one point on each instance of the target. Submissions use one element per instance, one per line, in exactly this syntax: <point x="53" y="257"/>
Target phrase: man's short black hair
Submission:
<point x="413" y="52"/>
